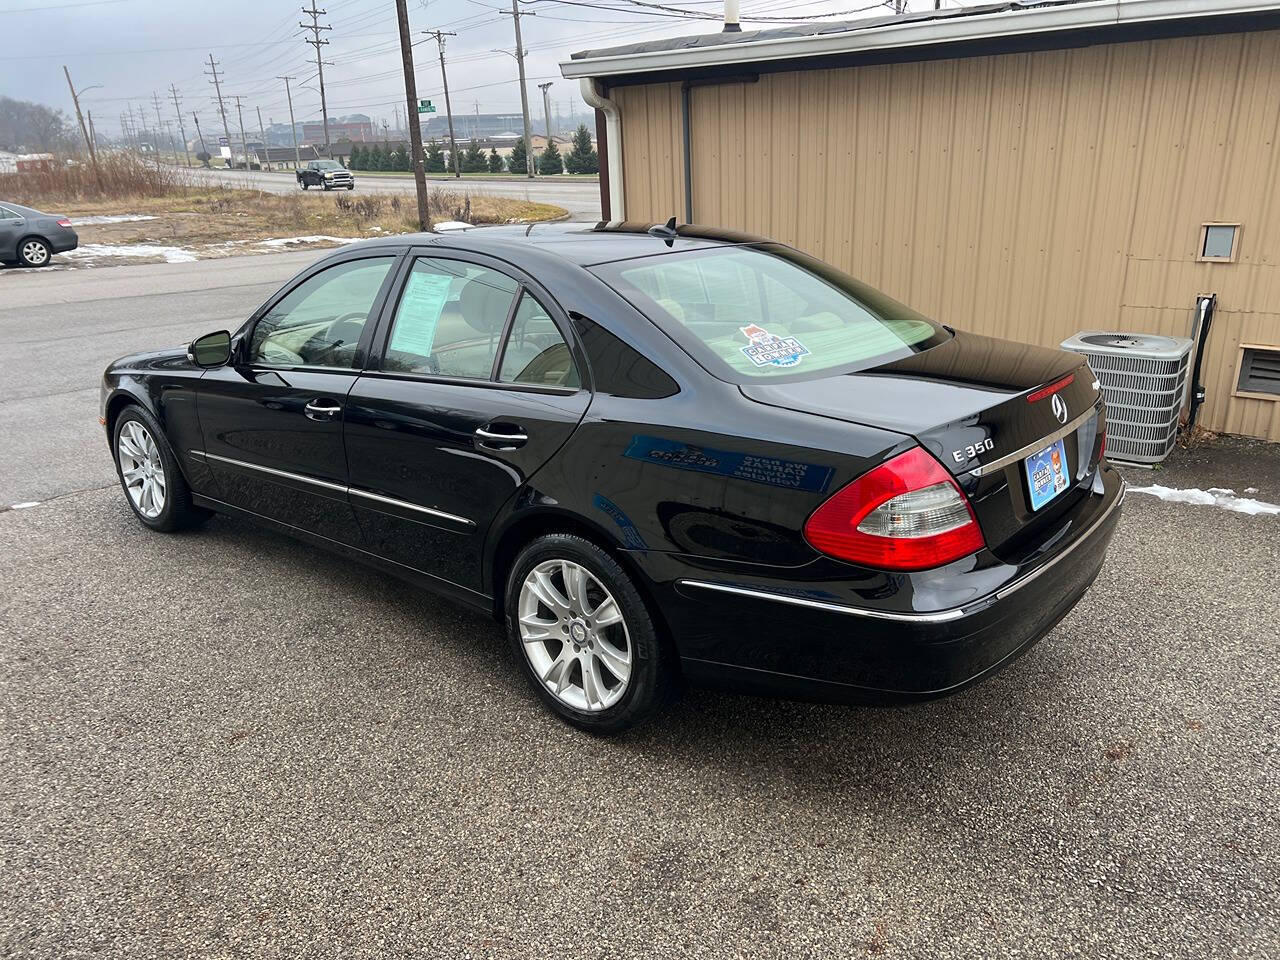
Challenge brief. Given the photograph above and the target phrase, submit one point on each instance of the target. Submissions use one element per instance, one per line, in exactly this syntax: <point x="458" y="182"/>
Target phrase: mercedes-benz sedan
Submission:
<point x="658" y="455"/>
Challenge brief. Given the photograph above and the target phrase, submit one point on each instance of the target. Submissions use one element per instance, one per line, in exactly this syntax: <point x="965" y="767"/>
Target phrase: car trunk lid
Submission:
<point x="981" y="406"/>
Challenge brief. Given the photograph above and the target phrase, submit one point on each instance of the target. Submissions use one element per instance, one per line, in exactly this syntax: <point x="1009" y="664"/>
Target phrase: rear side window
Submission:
<point x="450" y="320"/>
<point x="536" y="353"/>
<point x="761" y="312"/>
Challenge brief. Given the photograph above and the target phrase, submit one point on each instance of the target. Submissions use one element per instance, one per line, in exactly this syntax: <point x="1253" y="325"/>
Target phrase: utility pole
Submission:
<point x="262" y="135"/>
<point x="415" y="127"/>
<point x="93" y="137"/>
<point x="181" y="127"/>
<point x="546" y="107"/>
<point x="448" y="108"/>
<point x="93" y="154"/>
<point x="524" y="94"/>
<point x="244" y="144"/>
<point x="155" y="98"/>
<point x="226" y="130"/>
<point x="316" y="42"/>
<point x="293" y="127"/>
<point x="199" y="135"/>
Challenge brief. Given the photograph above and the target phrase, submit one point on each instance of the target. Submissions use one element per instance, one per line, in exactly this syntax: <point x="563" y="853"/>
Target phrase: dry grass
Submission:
<point x="213" y="220"/>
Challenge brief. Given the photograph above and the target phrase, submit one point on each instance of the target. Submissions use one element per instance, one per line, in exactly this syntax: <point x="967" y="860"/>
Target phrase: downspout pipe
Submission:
<point x="592" y="93"/>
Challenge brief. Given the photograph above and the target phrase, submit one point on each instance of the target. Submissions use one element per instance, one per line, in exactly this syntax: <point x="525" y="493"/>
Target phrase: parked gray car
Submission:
<point x="31" y="238"/>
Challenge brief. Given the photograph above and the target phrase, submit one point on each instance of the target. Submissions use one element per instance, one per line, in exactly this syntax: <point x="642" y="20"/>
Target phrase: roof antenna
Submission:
<point x="667" y="231"/>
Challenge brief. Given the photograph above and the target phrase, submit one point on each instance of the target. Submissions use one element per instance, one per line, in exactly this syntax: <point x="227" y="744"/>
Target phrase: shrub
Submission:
<point x="550" y="163"/>
<point x="582" y="158"/>
<point x="495" y="161"/>
<point x="518" y="159"/>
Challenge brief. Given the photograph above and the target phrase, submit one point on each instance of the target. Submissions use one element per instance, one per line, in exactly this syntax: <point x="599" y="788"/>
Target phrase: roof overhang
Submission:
<point x="963" y="30"/>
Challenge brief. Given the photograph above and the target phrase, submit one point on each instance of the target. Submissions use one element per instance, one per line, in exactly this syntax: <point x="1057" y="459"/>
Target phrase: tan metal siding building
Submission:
<point x="1022" y="194"/>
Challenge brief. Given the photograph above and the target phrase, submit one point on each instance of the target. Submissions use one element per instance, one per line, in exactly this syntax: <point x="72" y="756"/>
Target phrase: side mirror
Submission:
<point x="211" y="350"/>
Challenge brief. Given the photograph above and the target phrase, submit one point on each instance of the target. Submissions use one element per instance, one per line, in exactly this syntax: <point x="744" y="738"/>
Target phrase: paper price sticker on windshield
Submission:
<point x="766" y="349"/>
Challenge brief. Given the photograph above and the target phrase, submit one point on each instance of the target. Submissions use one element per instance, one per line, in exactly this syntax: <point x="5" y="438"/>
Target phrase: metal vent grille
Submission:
<point x="1260" y="371"/>
<point x="1144" y="381"/>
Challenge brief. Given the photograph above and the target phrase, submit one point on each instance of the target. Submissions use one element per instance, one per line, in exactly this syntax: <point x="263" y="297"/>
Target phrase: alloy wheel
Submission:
<point x="35" y="253"/>
<point x="141" y="468"/>
<point x="574" y="635"/>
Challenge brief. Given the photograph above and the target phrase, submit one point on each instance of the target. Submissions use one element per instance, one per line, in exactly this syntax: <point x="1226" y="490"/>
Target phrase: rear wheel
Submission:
<point x="34" y="252"/>
<point x="153" y="485"/>
<point x="303" y="184"/>
<point x="583" y="635"/>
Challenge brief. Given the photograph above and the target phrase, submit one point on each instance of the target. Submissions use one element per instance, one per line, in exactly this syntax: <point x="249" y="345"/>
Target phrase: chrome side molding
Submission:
<point x="335" y="487"/>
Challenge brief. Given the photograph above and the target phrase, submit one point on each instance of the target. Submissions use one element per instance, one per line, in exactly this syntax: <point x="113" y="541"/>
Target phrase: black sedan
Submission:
<point x="30" y="238"/>
<point x="657" y="454"/>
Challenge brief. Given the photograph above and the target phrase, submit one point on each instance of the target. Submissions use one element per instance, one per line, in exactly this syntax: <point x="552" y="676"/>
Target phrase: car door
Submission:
<point x="11" y="223"/>
<point x="272" y="420"/>
<point x="475" y="382"/>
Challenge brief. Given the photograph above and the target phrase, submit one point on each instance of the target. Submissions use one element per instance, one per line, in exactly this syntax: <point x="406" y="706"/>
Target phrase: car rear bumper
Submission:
<point x="64" y="241"/>
<point x="777" y="640"/>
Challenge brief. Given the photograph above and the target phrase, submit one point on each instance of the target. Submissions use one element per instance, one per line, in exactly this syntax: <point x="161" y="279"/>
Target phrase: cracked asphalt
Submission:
<point x="228" y="744"/>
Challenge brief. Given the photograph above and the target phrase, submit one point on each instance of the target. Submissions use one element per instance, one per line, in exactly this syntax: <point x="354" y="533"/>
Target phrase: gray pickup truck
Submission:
<point x="325" y="174"/>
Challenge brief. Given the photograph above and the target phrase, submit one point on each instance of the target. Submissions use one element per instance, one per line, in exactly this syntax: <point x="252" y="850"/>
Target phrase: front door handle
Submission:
<point x="508" y="438"/>
<point x="321" y="409"/>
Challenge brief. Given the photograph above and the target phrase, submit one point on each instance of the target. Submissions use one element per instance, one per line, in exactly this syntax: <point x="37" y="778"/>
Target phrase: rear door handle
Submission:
<point x="509" y="438"/>
<point x="321" y="409"/>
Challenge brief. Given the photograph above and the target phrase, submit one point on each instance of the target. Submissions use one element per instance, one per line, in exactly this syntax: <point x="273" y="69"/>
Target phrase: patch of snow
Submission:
<point x="1213" y="497"/>
<point x="114" y="218"/>
<point x="1250" y="489"/>
<point x="315" y="238"/>
<point x="92" y="251"/>
<point x="447" y="225"/>
<point x="25" y="505"/>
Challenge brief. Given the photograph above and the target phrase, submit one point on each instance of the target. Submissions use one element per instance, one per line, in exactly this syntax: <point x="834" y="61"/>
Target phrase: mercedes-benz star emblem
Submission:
<point x="1059" y="408"/>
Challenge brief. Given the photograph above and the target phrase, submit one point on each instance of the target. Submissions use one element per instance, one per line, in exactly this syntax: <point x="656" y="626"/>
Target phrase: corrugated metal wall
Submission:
<point x="1026" y="195"/>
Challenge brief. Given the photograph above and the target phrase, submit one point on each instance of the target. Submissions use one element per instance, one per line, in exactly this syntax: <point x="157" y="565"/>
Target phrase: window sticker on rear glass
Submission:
<point x="766" y="349"/>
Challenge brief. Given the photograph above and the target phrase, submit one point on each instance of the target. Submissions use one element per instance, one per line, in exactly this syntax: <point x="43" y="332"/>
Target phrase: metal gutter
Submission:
<point x="593" y="94"/>
<point x="913" y="33"/>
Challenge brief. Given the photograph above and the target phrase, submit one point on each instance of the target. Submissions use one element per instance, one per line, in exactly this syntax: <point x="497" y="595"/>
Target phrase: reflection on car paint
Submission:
<point x="631" y="537"/>
<point x="791" y="474"/>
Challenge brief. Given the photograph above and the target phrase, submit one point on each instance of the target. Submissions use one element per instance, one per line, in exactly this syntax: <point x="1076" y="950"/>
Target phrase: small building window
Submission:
<point x="1218" y="242"/>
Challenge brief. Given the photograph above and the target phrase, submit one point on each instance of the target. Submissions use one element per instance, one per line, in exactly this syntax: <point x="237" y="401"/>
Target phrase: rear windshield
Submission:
<point x="767" y="311"/>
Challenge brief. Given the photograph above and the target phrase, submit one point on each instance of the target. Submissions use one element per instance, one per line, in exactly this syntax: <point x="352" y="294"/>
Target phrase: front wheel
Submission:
<point x="351" y="186"/>
<point x="583" y="635"/>
<point x="153" y="485"/>
<point x="303" y="184"/>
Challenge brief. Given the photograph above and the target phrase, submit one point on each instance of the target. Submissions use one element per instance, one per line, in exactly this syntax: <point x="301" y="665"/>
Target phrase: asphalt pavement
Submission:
<point x="580" y="197"/>
<point x="228" y="744"/>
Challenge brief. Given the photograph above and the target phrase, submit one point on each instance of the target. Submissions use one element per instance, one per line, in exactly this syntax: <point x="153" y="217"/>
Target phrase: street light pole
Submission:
<point x="93" y="153"/>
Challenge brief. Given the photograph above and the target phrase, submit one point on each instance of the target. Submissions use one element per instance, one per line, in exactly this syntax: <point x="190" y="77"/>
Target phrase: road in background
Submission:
<point x="580" y="197"/>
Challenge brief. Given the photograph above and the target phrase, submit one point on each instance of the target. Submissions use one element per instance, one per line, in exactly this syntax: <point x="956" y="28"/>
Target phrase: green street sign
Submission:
<point x="426" y="106"/>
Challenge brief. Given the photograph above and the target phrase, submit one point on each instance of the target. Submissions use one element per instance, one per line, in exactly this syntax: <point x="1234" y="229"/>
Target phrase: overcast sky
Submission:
<point x="136" y="47"/>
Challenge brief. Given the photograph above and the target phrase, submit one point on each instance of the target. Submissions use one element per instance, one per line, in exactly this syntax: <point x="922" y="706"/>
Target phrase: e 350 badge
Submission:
<point x="765" y="349"/>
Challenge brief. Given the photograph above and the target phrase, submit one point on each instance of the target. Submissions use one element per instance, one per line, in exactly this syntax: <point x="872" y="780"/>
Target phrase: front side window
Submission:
<point x="764" y="311"/>
<point x="535" y="353"/>
<point x="450" y="320"/>
<point x="320" y="321"/>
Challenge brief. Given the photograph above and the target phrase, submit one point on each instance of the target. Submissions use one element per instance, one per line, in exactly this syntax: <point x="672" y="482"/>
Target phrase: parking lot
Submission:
<point x="228" y="744"/>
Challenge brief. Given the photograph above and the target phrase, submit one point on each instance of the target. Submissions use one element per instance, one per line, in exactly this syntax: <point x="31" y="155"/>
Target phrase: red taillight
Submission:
<point x="906" y="514"/>
<point x="64" y="222"/>
<point x="1052" y="388"/>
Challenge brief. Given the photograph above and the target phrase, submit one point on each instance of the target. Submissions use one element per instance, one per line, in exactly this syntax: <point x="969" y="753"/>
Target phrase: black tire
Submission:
<point x="324" y="187"/>
<point x="34" y="252"/>
<point x="178" y="512"/>
<point x="303" y="184"/>
<point x="351" y="186"/>
<point x="651" y="682"/>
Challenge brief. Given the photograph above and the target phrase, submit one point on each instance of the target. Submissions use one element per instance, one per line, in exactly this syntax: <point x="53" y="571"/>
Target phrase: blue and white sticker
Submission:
<point x="766" y="349"/>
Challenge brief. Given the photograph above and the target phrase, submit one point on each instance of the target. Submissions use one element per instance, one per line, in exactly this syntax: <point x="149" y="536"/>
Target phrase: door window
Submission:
<point x="319" y="322"/>
<point x="535" y="352"/>
<point x="450" y="320"/>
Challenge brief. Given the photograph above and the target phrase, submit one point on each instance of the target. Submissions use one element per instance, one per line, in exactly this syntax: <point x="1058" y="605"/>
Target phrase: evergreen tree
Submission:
<point x="399" y="158"/>
<point x="435" y="158"/>
<point x="473" y="161"/>
<point x="373" y="158"/>
<point x="495" y="161"/>
<point x="582" y="158"/>
<point x="357" y="157"/>
<point x="550" y="163"/>
<point x="516" y="162"/>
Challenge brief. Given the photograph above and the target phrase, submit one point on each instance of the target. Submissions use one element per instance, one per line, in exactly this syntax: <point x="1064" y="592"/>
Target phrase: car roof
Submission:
<point x="578" y="243"/>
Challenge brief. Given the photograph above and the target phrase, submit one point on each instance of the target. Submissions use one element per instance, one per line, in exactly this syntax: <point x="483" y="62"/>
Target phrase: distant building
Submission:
<point x="358" y="128"/>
